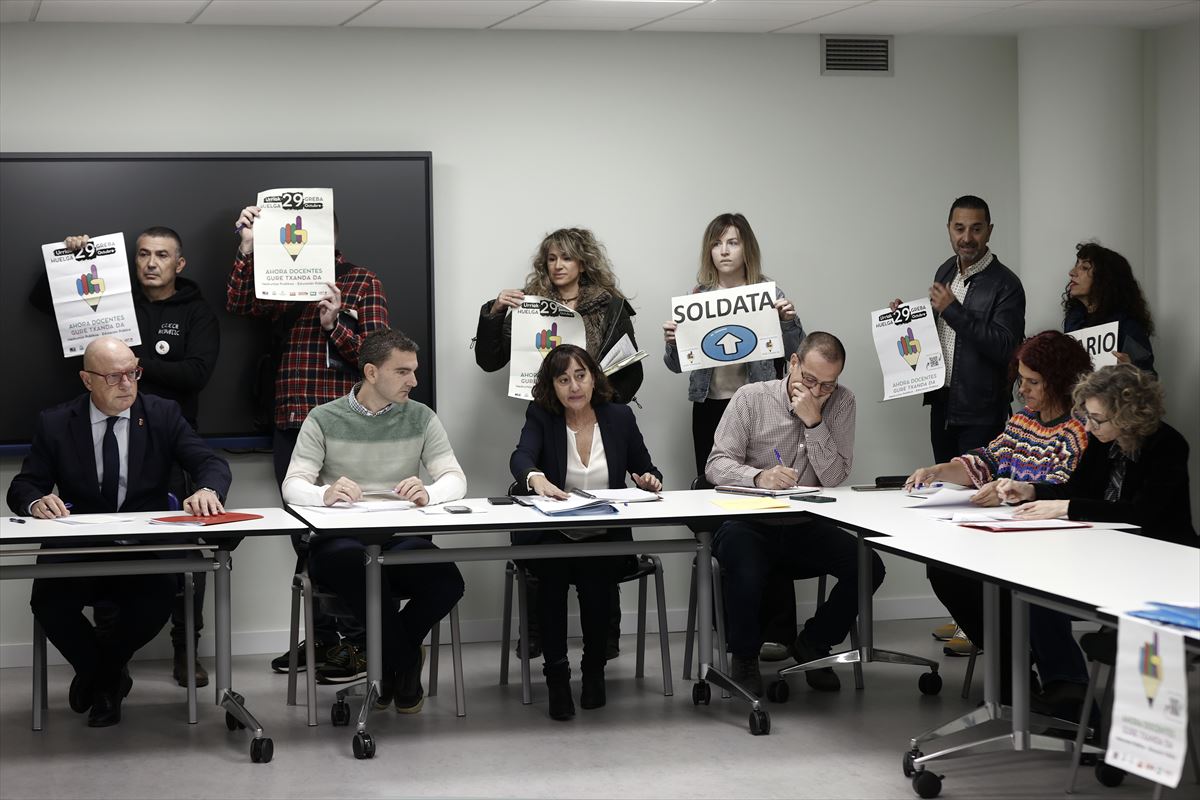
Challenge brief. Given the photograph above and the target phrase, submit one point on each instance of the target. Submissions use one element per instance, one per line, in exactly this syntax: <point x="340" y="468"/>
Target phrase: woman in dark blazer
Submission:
<point x="575" y="438"/>
<point x="1134" y="469"/>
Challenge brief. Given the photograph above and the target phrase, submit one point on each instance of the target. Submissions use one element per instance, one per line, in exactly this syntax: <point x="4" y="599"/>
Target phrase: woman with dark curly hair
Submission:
<point x="572" y="268"/>
<point x="1134" y="469"/>
<point x="1043" y="441"/>
<point x="575" y="440"/>
<point x="1101" y="289"/>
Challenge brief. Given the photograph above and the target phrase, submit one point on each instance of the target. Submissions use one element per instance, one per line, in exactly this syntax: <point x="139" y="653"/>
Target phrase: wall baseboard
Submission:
<point x="273" y="642"/>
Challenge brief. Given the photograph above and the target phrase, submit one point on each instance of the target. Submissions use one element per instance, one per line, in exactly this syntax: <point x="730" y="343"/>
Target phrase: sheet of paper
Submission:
<point x="749" y="503"/>
<point x="1148" y="736"/>
<point x="909" y="350"/>
<point x="93" y="519"/>
<point x="629" y="495"/>
<point x="364" y="506"/>
<point x="999" y="513"/>
<point x="1101" y="343"/>
<point x="538" y="326"/>
<point x="91" y="292"/>
<point x="550" y="506"/>
<point x="294" y="244"/>
<point x="729" y="326"/>
<point x="1031" y="524"/>
<point x="754" y="491"/>
<point x="945" y="496"/>
<point x="620" y="351"/>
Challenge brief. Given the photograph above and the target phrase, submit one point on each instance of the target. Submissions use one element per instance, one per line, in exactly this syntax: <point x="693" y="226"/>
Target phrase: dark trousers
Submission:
<point x="705" y="418"/>
<point x="336" y="564"/>
<point x="749" y="552"/>
<point x="595" y="580"/>
<point x="142" y="603"/>
<point x="953" y="440"/>
<point x="326" y="626"/>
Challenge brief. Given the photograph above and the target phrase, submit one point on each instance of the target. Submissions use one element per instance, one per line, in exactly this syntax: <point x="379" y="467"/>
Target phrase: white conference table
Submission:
<point x="99" y="540"/>
<point x="1075" y="570"/>
<point x="686" y="507"/>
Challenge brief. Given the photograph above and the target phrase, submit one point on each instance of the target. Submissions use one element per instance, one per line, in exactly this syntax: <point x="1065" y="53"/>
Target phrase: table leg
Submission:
<point x="374" y="576"/>
<point x="237" y="716"/>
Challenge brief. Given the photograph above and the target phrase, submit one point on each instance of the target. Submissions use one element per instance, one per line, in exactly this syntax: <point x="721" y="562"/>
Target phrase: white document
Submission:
<point x="575" y="502"/>
<point x="93" y="519"/>
<point x="910" y="353"/>
<point x="538" y="326"/>
<point x="1150" y="704"/>
<point x="728" y="326"/>
<point x="365" y="506"/>
<point x="91" y="292"/>
<point x="294" y="244"/>
<point x="997" y="514"/>
<point x="1101" y="343"/>
<point x="630" y="495"/>
<point x="622" y="354"/>
<point x="754" y="491"/>
<point x="951" y="495"/>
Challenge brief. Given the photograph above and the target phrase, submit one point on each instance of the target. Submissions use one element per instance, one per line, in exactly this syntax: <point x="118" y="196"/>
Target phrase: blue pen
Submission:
<point x="778" y="457"/>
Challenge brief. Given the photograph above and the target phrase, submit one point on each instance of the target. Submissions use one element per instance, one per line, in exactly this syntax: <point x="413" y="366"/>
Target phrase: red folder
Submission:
<point x="214" y="519"/>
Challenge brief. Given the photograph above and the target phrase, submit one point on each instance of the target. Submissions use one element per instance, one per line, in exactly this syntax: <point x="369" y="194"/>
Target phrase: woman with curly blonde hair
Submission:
<point x="1134" y="468"/>
<point x="572" y="268"/>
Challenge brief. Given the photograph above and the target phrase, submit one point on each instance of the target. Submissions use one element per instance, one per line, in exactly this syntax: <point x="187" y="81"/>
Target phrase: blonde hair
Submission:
<point x="1134" y="398"/>
<point x="579" y="244"/>
<point x="706" y="276"/>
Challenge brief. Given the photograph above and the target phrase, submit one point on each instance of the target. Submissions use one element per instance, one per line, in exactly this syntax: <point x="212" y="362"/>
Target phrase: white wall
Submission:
<point x="642" y="137"/>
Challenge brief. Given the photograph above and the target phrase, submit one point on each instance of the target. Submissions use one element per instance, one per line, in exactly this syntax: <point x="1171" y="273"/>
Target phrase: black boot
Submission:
<point x="558" y="684"/>
<point x="593" y="694"/>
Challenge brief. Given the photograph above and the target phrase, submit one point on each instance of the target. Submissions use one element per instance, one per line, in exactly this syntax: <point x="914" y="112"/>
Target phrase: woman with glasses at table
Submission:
<point x="1135" y="468"/>
<point x="1044" y="441"/>
<point x="575" y="439"/>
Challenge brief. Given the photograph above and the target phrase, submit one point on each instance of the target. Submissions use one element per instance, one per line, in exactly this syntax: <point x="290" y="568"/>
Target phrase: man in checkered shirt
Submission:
<point x="798" y="431"/>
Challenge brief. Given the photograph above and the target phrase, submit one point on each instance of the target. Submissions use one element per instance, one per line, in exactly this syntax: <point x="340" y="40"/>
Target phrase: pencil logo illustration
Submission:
<point x="547" y="340"/>
<point x="293" y="238"/>
<point x="1150" y="667"/>
<point x="90" y="287"/>
<point x="910" y="349"/>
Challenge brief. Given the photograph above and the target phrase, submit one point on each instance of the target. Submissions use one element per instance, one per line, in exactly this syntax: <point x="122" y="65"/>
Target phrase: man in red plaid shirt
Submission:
<point x="318" y="363"/>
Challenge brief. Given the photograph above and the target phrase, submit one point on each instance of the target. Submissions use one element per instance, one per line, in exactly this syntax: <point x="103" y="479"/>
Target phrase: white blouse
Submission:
<point x="593" y="476"/>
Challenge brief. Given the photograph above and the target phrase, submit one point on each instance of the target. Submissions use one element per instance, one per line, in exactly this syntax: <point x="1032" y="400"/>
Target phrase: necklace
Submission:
<point x="569" y="299"/>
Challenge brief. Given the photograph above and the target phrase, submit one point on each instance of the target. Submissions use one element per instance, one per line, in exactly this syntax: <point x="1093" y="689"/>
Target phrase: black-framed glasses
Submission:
<point x="811" y="382"/>
<point x="1097" y="421"/>
<point x="113" y="378"/>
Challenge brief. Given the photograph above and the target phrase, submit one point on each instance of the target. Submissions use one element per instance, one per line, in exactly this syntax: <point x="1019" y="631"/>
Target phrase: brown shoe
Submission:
<point x="179" y="671"/>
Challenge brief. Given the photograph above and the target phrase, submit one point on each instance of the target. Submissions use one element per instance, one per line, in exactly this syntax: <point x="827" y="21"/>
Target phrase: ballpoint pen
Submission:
<point x="582" y="493"/>
<point x="17" y="520"/>
<point x="778" y="457"/>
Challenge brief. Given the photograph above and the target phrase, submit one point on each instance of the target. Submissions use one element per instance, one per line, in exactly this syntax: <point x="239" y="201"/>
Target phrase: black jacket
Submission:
<point x="180" y="343"/>
<point x="1154" y="493"/>
<point x="988" y="325"/>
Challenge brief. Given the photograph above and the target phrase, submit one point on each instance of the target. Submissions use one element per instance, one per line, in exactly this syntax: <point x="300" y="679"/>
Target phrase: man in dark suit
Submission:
<point x="109" y="451"/>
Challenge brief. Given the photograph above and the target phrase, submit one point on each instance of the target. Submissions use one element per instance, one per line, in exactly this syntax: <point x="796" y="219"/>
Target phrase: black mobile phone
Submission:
<point x="458" y="509"/>
<point x="505" y="500"/>
<point x="813" y="498"/>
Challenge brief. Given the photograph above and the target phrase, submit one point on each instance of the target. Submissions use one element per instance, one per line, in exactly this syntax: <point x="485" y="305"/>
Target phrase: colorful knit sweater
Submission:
<point x="1029" y="450"/>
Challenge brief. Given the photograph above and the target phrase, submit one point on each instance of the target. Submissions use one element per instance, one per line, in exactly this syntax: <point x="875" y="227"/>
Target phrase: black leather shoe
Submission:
<point x="106" y="710"/>
<point x="80" y="695"/>
<point x="593" y="694"/>
<point x="558" y="687"/>
<point x="179" y="669"/>
<point x="823" y="679"/>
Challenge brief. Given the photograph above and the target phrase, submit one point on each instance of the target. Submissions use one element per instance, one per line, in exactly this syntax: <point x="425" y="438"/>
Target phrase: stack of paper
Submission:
<point x="622" y="354"/>
<point x="633" y="495"/>
<point x="575" y="504"/>
<point x="754" y="491"/>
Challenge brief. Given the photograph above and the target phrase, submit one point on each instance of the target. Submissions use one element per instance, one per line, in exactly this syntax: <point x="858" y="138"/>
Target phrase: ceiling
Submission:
<point x="707" y="16"/>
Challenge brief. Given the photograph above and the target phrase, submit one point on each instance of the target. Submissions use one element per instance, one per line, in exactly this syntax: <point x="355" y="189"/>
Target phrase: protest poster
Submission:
<point x="727" y="326"/>
<point x="294" y="244"/>
<point x="910" y="353"/>
<point x="538" y="326"/>
<point x="91" y="292"/>
<point x="1100" y="341"/>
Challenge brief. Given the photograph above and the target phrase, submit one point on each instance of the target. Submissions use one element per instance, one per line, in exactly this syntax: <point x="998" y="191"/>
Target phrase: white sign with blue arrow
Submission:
<point x="727" y="326"/>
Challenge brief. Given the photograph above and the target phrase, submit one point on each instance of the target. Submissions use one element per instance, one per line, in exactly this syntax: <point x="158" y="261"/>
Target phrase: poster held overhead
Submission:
<point x="91" y="292"/>
<point x="539" y="325"/>
<point x="910" y="353"/>
<point x="294" y="244"/>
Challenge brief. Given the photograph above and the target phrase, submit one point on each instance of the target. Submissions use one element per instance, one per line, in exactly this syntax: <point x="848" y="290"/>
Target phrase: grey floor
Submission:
<point x="642" y="744"/>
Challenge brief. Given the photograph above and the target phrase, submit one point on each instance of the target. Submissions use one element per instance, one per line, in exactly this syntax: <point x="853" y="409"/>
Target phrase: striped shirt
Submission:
<point x="958" y="288"/>
<point x="759" y="421"/>
<point x="1029" y="450"/>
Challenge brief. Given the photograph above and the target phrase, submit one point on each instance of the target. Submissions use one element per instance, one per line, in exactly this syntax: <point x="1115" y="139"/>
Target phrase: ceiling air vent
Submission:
<point x="856" y="55"/>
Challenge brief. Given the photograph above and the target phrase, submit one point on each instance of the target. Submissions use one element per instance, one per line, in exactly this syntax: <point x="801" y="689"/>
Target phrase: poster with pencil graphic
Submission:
<point x="294" y="241"/>
<point x="910" y="353"/>
<point x="1148" y="735"/>
<point x="539" y="325"/>
<point x="90" y="288"/>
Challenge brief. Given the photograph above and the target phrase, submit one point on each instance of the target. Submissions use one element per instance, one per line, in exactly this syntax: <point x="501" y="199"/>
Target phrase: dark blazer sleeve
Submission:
<point x="995" y="334"/>
<point x="531" y="447"/>
<point x="493" y="339"/>
<point x="637" y="457"/>
<point x="38" y="475"/>
<point x="207" y="468"/>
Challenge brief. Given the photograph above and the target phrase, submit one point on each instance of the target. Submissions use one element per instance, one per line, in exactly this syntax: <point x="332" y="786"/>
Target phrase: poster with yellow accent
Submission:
<point x="91" y="292"/>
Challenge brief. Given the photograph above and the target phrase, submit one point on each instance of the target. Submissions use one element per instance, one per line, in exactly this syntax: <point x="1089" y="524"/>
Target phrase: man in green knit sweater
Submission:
<point x="375" y="441"/>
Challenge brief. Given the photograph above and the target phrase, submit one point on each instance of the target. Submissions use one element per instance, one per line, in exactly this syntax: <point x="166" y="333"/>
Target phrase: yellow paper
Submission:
<point x="750" y="503"/>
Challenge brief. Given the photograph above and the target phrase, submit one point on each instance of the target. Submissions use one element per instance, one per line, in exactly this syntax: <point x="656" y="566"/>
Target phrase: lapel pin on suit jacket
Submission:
<point x="141" y="422"/>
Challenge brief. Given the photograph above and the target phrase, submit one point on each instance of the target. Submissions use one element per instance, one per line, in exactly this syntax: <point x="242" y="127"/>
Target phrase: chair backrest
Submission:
<point x="701" y="482"/>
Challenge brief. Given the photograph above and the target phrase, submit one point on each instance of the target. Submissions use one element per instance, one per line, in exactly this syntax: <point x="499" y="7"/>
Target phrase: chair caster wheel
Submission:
<point x="907" y="765"/>
<point x="339" y="714"/>
<point x="778" y="692"/>
<point x="701" y="694"/>
<point x="364" y="746"/>
<point x="926" y="784"/>
<point x="760" y="722"/>
<point x="930" y="683"/>
<point x="233" y="723"/>
<point x="261" y="750"/>
<point x="1109" y="775"/>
